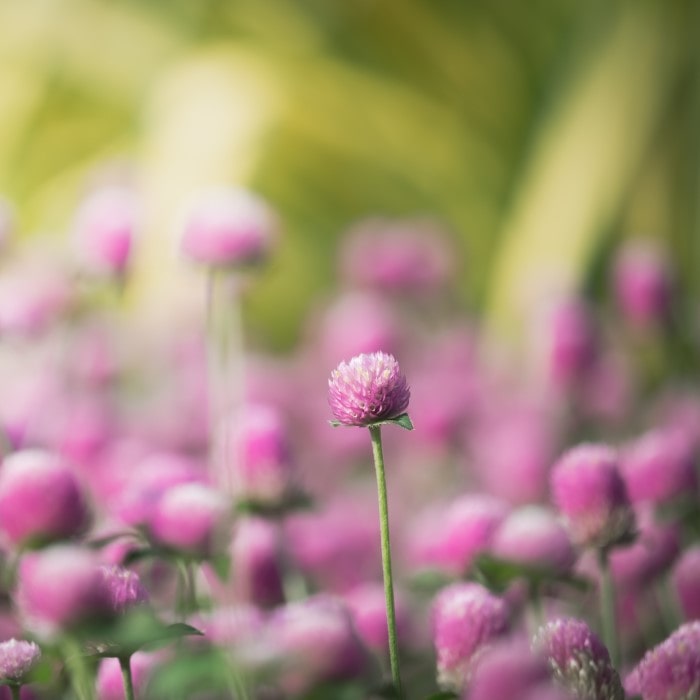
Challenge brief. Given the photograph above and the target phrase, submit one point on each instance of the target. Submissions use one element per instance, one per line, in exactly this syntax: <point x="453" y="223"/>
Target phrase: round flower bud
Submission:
<point x="104" y="230"/>
<point x="671" y="670"/>
<point x="60" y="588"/>
<point x="450" y="538"/>
<point x="40" y="499"/>
<point x="367" y="389"/>
<point x="658" y="467"/>
<point x="17" y="659"/>
<point x="642" y="283"/>
<point x="466" y="618"/>
<point x="226" y="226"/>
<point x="190" y="518"/>
<point x="589" y="492"/>
<point x="534" y="536"/>
<point x="686" y="582"/>
<point x="314" y="642"/>
<point x="124" y="588"/>
<point x="578" y="660"/>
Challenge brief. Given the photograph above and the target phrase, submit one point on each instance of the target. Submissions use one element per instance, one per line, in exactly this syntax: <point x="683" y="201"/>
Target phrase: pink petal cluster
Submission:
<point x="226" y="227"/>
<point x="588" y="490"/>
<point x="17" y="659"/>
<point x="40" y="499"/>
<point x="367" y="389"/>
<point x="671" y="670"/>
<point x="686" y="582"/>
<point x="465" y="618"/>
<point x="124" y="588"/>
<point x="578" y="660"/>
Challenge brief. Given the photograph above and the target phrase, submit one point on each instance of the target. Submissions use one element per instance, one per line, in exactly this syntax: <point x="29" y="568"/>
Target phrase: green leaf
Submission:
<point x="403" y="421"/>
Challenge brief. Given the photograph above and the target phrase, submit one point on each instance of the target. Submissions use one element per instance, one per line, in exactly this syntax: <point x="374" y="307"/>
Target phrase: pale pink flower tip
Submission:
<point x="367" y="389"/>
<point x="589" y="491"/>
<point x="228" y="226"/>
<point x="17" y="658"/>
<point x="124" y="588"/>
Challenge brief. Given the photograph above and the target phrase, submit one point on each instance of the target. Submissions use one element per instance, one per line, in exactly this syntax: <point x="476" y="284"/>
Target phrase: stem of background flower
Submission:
<point x="80" y="676"/>
<point x="186" y="594"/>
<point x="536" y="603"/>
<point x="376" y="435"/>
<point x="15" y="691"/>
<point x="125" y="664"/>
<point x="607" y="607"/>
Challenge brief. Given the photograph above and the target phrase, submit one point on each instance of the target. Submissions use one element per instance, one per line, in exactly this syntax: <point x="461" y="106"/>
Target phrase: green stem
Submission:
<point x="15" y="691"/>
<point x="125" y="664"/>
<point x="376" y="435"/>
<point x="607" y="607"/>
<point x="537" y="606"/>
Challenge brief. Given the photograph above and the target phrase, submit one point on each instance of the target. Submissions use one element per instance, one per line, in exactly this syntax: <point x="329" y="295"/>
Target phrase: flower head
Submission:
<point x="590" y="493"/>
<point x="671" y="670"/>
<point x="686" y="582"/>
<point x="578" y="660"/>
<point x="466" y="617"/>
<point x="124" y="588"/>
<point x="17" y="658"/>
<point x="367" y="389"/>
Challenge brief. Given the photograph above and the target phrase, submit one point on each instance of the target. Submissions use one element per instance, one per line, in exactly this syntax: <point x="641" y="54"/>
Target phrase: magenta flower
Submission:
<point x="59" y="588"/>
<point x="533" y="535"/>
<point x="643" y="283"/>
<point x="578" y="660"/>
<point x="104" y="230"/>
<point x="368" y="389"/>
<point x="124" y="588"/>
<point x="226" y="226"/>
<point x="507" y="671"/>
<point x="191" y="518"/>
<point x="658" y="467"/>
<point x="671" y="670"/>
<point x="17" y="659"/>
<point x="588" y="490"/>
<point x="686" y="582"/>
<point x="40" y="499"/>
<point x="466" y="618"/>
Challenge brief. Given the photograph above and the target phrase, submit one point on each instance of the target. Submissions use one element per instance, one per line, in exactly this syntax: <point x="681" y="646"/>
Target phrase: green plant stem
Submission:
<point x="607" y="607"/>
<point x="376" y="435"/>
<point x="15" y="692"/>
<point x="125" y="664"/>
<point x="537" y="606"/>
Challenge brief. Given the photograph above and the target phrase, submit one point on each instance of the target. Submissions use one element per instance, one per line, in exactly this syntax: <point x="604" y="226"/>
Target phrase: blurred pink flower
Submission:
<point x="110" y="684"/>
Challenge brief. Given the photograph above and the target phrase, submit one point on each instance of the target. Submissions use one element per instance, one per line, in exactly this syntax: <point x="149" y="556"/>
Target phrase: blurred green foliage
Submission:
<point x="539" y="132"/>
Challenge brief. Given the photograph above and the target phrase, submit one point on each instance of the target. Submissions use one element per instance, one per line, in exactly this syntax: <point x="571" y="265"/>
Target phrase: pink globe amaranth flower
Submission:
<point x="649" y="556"/>
<point x="402" y="256"/>
<point x="449" y="538"/>
<point x="110" y="684"/>
<point x="356" y="323"/>
<point x="578" y="660"/>
<point x="337" y="546"/>
<point x="368" y="389"/>
<point x="533" y="535"/>
<point x="465" y="619"/>
<point x="40" y="499"/>
<point x="124" y="588"/>
<point x="686" y="582"/>
<point x="60" y="588"/>
<point x="588" y="490"/>
<point x="256" y="563"/>
<point x="643" y="283"/>
<point x="17" y="659"/>
<point x="572" y="342"/>
<point x="314" y="641"/>
<point x="671" y="670"/>
<point x="234" y="626"/>
<point x="506" y="671"/>
<point x="658" y="467"/>
<point x="105" y="226"/>
<point x="259" y="453"/>
<point x="191" y="518"/>
<point x="227" y="226"/>
<point x="367" y="605"/>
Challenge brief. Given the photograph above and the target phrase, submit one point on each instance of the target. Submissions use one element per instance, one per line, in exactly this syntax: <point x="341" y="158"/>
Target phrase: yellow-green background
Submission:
<point x="540" y="131"/>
